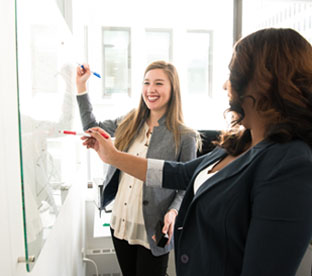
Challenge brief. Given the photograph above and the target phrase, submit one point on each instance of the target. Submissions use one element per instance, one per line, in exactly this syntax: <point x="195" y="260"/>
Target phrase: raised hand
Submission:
<point x="83" y="73"/>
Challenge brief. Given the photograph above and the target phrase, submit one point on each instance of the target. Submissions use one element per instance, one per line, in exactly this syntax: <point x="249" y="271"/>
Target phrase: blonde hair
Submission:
<point x="133" y="121"/>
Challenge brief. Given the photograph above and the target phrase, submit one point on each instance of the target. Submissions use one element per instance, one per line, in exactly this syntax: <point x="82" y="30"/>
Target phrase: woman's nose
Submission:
<point x="151" y="88"/>
<point x="225" y="85"/>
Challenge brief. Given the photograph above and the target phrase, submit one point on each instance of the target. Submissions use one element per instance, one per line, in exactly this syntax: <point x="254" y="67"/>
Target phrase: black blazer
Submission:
<point x="252" y="218"/>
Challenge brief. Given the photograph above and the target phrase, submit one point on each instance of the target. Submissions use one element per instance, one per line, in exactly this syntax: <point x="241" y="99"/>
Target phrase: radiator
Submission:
<point x="106" y="261"/>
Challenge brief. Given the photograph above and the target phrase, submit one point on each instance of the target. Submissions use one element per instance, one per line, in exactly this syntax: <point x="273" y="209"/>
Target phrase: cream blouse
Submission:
<point x="127" y="215"/>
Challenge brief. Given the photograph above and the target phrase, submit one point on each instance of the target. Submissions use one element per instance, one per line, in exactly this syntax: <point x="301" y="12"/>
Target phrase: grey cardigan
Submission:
<point x="156" y="200"/>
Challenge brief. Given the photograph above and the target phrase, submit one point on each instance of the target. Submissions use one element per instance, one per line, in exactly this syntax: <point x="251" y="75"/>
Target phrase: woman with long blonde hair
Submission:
<point x="154" y="130"/>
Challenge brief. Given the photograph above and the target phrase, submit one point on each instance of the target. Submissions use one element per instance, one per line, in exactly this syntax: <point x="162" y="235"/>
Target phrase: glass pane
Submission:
<point x="61" y="5"/>
<point x="296" y="14"/>
<point x="158" y="45"/>
<point x="199" y="67"/>
<point x="116" y="63"/>
<point x="49" y="160"/>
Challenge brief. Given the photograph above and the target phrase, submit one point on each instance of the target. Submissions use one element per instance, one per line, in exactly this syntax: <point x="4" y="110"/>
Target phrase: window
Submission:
<point x="197" y="40"/>
<point x="116" y="61"/>
<point x="199" y="62"/>
<point x="278" y="14"/>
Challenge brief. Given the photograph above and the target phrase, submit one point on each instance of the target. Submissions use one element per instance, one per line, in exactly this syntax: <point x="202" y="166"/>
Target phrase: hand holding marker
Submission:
<point x="80" y="133"/>
<point x="94" y="73"/>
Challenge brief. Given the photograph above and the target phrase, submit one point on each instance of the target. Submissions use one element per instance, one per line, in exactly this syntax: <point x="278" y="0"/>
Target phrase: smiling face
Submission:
<point x="156" y="90"/>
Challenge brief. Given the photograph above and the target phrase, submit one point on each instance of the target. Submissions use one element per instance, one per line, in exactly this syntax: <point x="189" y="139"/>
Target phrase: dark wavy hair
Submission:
<point x="277" y="64"/>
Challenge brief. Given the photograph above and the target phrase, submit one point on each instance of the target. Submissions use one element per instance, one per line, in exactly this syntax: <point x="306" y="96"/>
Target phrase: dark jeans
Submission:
<point x="136" y="260"/>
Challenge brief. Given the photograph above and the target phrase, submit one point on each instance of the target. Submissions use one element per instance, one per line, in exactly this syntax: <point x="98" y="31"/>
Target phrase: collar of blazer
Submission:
<point x="235" y="167"/>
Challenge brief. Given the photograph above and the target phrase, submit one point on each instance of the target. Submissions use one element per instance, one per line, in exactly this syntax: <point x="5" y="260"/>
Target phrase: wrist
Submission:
<point x="81" y="88"/>
<point x="115" y="157"/>
<point x="174" y="211"/>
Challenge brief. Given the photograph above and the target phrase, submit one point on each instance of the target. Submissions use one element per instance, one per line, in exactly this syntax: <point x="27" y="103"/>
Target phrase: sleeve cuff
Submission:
<point x="82" y="93"/>
<point x="154" y="173"/>
<point x="174" y="210"/>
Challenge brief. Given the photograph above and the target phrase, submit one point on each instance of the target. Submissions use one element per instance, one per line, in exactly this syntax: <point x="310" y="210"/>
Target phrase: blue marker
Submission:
<point x="94" y="73"/>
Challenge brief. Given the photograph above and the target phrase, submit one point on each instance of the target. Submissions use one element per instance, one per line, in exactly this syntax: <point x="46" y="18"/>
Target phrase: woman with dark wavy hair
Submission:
<point x="272" y="69"/>
<point x="247" y="209"/>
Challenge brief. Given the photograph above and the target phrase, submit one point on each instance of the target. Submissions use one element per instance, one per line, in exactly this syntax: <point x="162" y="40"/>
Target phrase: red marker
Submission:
<point x="80" y="133"/>
<point x="103" y="134"/>
<point x="74" y="133"/>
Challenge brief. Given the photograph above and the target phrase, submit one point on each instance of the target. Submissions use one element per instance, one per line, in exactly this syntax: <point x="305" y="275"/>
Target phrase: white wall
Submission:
<point x="61" y="254"/>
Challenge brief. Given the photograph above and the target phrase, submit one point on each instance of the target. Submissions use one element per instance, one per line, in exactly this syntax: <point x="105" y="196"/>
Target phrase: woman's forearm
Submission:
<point x="130" y="164"/>
<point x="81" y="87"/>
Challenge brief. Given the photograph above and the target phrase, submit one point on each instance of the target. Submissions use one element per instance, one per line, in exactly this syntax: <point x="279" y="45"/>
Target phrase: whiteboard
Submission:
<point x="50" y="162"/>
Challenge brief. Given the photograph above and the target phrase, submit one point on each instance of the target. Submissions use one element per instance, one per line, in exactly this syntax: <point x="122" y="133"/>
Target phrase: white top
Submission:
<point x="127" y="215"/>
<point x="202" y="177"/>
